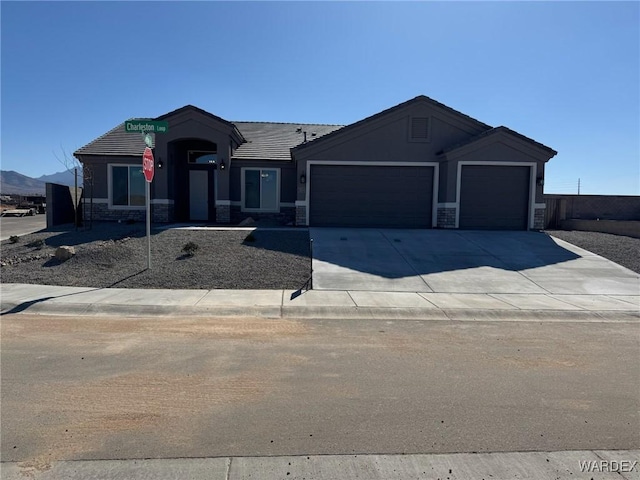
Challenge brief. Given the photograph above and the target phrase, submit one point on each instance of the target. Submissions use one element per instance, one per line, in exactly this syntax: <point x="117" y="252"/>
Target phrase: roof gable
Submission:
<point x="420" y="99"/>
<point x="495" y="135"/>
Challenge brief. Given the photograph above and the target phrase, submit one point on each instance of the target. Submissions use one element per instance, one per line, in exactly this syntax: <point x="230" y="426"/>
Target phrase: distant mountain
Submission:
<point x="16" y="183"/>
<point x="63" y="178"/>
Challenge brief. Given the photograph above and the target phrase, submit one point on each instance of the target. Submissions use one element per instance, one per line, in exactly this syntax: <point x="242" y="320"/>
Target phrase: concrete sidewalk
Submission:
<point x="45" y="299"/>
<point x="577" y="465"/>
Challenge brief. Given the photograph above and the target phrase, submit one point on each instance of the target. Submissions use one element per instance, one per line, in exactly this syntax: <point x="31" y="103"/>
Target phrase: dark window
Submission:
<point x="261" y="189"/>
<point x="201" y="157"/>
<point x="127" y="185"/>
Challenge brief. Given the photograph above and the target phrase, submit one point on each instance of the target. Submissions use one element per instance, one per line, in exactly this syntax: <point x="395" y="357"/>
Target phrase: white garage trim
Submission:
<point x="532" y="184"/>
<point x="436" y="177"/>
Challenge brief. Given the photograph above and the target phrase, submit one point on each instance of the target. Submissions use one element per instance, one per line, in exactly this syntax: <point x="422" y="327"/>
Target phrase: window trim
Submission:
<point x="243" y="170"/>
<point x="110" y="187"/>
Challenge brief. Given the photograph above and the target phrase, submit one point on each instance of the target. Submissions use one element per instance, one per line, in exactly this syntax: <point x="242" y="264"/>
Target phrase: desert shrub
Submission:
<point x="190" y="248"/>
<point x="14" y="239"/>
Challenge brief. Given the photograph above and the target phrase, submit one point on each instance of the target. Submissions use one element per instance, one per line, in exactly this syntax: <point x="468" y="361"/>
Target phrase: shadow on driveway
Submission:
<point x="459" y="261"/>
<point x="399" y="253"/>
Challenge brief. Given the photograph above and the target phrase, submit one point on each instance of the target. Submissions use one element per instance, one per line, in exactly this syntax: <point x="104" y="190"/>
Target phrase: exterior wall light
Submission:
<point x="222" y="165"/>
<point x="159" y="163"/>
<point x="303" y="178"/>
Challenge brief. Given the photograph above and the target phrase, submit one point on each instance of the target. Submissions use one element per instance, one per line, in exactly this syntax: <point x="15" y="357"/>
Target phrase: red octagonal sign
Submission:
<point x="147" y="164"/>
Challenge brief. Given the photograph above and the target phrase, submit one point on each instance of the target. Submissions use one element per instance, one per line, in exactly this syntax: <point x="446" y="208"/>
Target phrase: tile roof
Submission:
<point x="116" y="142"/>
<point x="265" y="140"/>
<point x="272" y="141"/>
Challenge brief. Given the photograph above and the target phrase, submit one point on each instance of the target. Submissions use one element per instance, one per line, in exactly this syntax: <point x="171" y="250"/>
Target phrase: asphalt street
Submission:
<point x="21" y="225"/>
<point x="105" y="388"/>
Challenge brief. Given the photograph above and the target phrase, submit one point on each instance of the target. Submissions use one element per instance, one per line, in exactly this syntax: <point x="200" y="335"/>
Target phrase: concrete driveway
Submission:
<point x="458" y="261"/>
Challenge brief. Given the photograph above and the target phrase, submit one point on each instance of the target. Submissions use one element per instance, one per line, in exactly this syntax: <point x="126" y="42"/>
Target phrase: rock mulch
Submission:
<point x="114" y="255"/>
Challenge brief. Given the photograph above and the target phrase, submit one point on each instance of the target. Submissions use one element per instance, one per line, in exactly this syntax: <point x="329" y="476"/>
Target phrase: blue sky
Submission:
<point x="564" y="73"/>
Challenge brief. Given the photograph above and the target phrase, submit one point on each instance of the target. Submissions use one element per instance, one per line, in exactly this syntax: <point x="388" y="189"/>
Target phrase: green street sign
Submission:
<point x="148" y="140"/>
<point x="142" y="126"/>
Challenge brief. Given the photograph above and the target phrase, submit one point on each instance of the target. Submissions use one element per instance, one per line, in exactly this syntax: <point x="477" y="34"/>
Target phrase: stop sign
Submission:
<point x="147" y="164"/>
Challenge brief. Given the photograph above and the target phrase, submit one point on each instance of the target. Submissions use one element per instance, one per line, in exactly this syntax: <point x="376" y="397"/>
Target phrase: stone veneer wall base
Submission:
<point x="446" y="217"/>
<point x="160" y="213"/>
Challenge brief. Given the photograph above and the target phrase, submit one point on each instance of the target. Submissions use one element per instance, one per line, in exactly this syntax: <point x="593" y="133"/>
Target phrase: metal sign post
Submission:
<point x="148" y="195"/>
<point x="146" y="127"/>
<point x="148" y="171"/>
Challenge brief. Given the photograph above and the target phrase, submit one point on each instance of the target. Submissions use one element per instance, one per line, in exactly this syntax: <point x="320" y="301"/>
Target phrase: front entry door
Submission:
<point x="198" y="195"/>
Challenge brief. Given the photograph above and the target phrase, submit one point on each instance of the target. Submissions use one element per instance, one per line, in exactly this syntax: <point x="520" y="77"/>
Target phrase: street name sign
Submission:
<point x="144" y="126"/>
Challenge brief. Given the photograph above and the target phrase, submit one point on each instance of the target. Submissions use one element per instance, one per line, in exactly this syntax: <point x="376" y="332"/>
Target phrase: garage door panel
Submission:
<point x="348" y="195"/>
<point x="494" y="197"/>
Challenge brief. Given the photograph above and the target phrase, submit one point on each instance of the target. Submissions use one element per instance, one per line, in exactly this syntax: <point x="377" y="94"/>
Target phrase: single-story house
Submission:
<point x="419" y="164"/>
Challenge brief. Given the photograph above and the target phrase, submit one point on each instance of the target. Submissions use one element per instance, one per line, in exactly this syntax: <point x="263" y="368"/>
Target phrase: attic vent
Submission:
<point x="419" y="129"/>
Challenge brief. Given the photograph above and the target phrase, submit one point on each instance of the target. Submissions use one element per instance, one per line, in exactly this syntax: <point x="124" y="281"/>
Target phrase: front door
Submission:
<point x="199" y="195"/>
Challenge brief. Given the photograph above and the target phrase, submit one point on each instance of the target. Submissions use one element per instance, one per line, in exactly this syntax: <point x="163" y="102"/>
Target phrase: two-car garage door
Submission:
<point x="371" y="196"/>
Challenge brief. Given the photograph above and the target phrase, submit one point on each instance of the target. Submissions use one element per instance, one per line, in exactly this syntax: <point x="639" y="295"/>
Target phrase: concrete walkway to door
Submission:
<point x="462" y="262"/>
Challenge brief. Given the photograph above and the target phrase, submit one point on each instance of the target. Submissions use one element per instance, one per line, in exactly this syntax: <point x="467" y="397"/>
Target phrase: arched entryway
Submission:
<point x="193" y="168"/>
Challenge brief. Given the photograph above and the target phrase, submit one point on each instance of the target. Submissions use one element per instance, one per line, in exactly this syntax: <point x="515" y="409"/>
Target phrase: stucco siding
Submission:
<point x="388" y="140"/>
<point x="99" y="167"/>
<point x="385" y="141"/>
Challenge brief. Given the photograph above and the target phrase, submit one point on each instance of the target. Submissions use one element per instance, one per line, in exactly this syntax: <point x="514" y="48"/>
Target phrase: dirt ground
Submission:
<point x="111" y="388"/>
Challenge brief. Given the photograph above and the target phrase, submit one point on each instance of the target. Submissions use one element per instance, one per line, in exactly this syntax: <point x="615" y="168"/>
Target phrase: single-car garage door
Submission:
<point x="494" y="197"/>
<point x="371" y="196"/>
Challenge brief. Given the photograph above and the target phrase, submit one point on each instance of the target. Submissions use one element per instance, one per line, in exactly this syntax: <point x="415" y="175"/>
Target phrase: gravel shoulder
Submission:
<point x="114" y="255"/>
<point x="622" y="250"/>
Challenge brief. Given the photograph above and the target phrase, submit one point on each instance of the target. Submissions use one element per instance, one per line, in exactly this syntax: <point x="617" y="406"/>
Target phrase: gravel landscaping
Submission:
<point x="114" y="255"/>
<point x="623" y="250"/>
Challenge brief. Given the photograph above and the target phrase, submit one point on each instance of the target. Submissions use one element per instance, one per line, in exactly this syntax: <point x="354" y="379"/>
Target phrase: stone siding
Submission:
<point x="160" y="213"/>
<point x="301" y="216"/>
<point x="538" y="218"/>
<point x="163" y="213"/>
<point x="446" y="217"/>
<point x="223" y="214"/>
<point x="286" y="216"/>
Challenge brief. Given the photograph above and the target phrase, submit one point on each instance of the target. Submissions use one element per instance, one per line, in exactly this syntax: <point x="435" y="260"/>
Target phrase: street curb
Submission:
<point x="542" y="465"/>
<point x="45" y="307"/>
